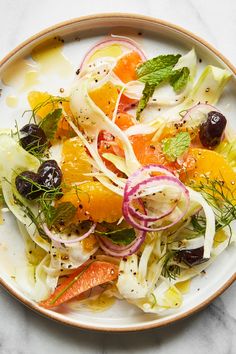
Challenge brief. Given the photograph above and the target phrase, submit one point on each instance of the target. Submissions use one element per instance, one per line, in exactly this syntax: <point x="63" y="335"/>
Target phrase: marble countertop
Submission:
<point x="210" y="331"/>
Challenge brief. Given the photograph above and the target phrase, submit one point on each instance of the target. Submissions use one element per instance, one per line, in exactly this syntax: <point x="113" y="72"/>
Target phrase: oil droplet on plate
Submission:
<point x="12" y="101"/>
<point x="49" y="56"/>
<point x="31" y="78"/>
<point x="14" y="75"/>
<point x="113" y="50"/>
<point x="101" y="303"/>
<point x="183" y="286"/>
<point x="220" y="237"/>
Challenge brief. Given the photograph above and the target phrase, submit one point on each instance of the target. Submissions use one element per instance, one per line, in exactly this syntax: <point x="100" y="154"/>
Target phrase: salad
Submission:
<point x="123" y="185"/>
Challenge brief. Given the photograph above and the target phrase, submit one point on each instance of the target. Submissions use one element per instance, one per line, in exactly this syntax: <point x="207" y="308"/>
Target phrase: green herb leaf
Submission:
<point x="156" y="68"/>
<point x="147" y="94"/>
<point x="175" y="147"/>
<point x="60" y="215"/>
<point x="156" y="71"/>
<point x="50" y="122"/>
<point x="120" y="237"/>
<point x="179" y="79"/>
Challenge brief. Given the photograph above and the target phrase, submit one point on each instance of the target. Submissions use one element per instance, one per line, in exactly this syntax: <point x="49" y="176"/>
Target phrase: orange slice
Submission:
<point x="75" y="162"/>
<point x="44" y="103"/>
<point x="94" y="202"/>
<point x="105" y="98"/>
<point x="210" y="164"/>
<point x="125" y="68"/>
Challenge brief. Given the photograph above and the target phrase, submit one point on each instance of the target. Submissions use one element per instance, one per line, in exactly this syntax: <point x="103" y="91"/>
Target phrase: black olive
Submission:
<point x="192" y="257"/>
<point x="211" y="131"/>
<point x="33" y="139"/>
<point x="49" y="174"/>
<point x="25" y="185"/>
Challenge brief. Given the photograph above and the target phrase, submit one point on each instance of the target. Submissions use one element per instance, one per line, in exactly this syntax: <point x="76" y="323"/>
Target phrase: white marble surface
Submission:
<point x="211" y="331"/>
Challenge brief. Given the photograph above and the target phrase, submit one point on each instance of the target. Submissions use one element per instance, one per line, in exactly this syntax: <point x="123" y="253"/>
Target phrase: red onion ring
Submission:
<point x="52" y="236"/>
<point x="123" y="251"/>
<point x="133" y="191"/>
<point x="129" y="43"/>
<point x="143" y="173"/>
<point x="108" y="247"/>
<point x="206" y="106"/>
<point x="141" y="216"/>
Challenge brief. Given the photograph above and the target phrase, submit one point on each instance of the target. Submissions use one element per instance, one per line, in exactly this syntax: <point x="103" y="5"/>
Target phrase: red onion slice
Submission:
<point x="143" y="173"/>
<point x="55" y="238"/>
<point x="123" y="251"/>
<point x="141" y="216"/>
<point x="203" y="108"/>
<point x="108" y="247"/>
<point x="131" y="193"/>
<point x="127" y="43"/>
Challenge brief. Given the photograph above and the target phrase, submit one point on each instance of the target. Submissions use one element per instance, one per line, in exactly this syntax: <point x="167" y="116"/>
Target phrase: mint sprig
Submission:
<point x="159" y="70"/>
<point x="179" y="79"/>
<point x="121" y="237"/>
<point x="176" y="146"/>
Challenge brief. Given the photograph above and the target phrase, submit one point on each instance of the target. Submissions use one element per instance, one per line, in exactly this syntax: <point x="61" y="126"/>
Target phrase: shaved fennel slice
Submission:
<point x="207" y="89"/>
<point x="188" y="60"/>
<point x="128" y="283"/>
<point x="18" y="160"/>
<point x="210" y="221"/>
<point x="14" y="158"/>
<point x="92" y="119"/>
<point x="117" y="161"/>
<point x="107" y="183"/>
<point x="188" y="244"/>
<point x="210" y="85"/>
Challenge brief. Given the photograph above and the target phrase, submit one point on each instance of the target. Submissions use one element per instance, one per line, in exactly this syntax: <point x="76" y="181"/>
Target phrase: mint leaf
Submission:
<point x="146" y="95"/>
<point x="50" y="122"/>
<point x="175" y="147"/>
<point x="179" y="79"/>
<point x="157" y="71"/>
<point x="120" y="237"/>
<point x="155" y="65"/>
<point x="61" y="214"/>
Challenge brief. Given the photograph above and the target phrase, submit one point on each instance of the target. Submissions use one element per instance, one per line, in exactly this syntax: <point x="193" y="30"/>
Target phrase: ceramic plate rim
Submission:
<point x="56" y="316"/>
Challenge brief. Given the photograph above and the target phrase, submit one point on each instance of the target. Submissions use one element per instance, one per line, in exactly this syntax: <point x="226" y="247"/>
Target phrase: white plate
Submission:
<point x="157" y="37"/>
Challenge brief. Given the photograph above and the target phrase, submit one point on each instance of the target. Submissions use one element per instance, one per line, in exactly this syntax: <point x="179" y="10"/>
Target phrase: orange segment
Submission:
<point x="75" y="162"/>
<point x="149" y="152"/>
<point x="146" y="151"/>
<point x="45" y="103"/>
<point x="125" y="68"/>
<point x="94" y="202"/>
<point x="213" y="165"/>
<point x="84" y="278"/>
<point x="37" y="98"/>
<point x="105" y="98"/>
<point x="124" y="121"/>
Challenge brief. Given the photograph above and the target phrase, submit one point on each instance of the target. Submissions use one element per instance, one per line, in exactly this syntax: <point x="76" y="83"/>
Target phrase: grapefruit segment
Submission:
<point x="84" y="278"/>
